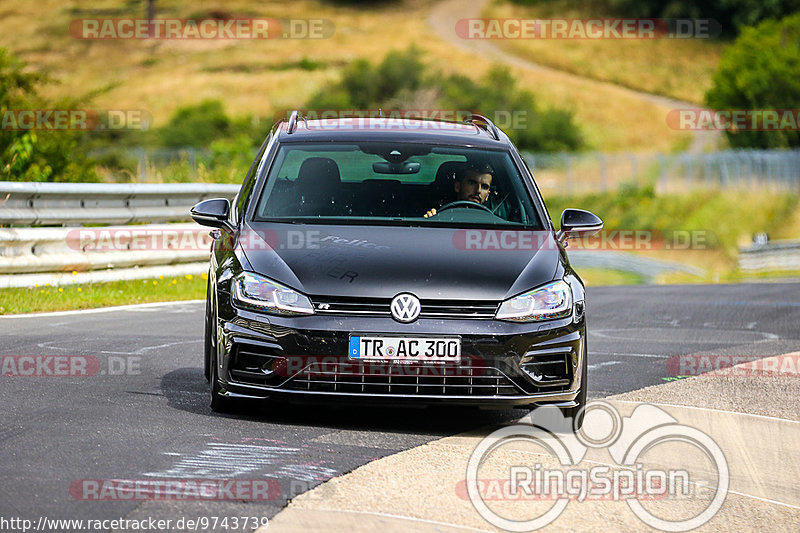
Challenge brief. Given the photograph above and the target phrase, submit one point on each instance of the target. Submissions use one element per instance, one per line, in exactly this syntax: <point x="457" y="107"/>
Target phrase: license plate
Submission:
<point x="440" y="349"/>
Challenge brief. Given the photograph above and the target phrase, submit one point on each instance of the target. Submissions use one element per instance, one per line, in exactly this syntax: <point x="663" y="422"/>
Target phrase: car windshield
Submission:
<point x="395" y="184"/>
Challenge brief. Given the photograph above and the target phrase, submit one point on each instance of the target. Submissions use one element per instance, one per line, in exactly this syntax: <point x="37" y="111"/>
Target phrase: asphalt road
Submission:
<point x="144" y="413"/>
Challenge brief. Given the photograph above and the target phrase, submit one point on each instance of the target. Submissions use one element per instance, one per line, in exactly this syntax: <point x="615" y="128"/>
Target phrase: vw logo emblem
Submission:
<point x="405" y="307"/>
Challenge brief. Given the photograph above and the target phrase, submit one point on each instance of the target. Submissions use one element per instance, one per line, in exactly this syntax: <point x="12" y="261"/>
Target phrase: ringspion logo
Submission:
<point x="554" y="474"/>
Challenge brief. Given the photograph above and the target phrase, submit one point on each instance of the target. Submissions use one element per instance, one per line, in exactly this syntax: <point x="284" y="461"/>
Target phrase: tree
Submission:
<point x="761" y="70"/>
<point x="732" y="15"/>
<point x="30" y="155"/>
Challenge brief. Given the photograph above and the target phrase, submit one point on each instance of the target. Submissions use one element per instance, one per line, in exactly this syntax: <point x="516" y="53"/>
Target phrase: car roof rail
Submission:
<point x="292" y="122"/>
<point x="486" y="124"/>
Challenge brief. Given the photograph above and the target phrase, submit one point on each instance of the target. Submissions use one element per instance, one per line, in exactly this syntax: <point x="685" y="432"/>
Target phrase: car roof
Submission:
<point x="361" y="129"/>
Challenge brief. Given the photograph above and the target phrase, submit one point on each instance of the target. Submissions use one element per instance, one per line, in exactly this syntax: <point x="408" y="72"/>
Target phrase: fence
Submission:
<point x="150" y="164"/>
<point x="772" y="256"/>
<point x="594" y="172"/>
<point x="577" y="173"/>
<point x="26" y="253"/>
<point x="37" y="204"/>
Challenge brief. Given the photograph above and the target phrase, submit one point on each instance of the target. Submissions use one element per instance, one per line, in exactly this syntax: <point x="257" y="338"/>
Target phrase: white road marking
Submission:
<point x="224" y="460"/>
<point x="604" y="363"/>
<point x="139" y="351"/>
<point x="634" y="334"/>
<point x="645" y="355"/>
<point x="133" y="307"/>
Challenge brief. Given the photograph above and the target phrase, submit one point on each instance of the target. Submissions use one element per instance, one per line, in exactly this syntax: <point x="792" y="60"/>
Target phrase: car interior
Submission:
<point x="393" y="188"/>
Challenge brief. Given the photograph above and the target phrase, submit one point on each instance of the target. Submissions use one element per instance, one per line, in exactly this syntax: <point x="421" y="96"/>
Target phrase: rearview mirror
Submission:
<point x="213" y="213"/>
<point x="395" y="168"/>
<point x="578" y="223"/>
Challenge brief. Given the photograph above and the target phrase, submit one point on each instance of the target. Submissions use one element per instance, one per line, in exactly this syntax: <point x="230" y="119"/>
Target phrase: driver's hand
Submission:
<point x="430" y="213"/>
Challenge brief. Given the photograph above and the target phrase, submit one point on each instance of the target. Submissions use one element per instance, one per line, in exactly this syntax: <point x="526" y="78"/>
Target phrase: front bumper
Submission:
<point x="305" y="359"/>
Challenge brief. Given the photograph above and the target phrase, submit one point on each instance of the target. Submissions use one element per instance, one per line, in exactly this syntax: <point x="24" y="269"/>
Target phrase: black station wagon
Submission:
<point x="390" y="260"/>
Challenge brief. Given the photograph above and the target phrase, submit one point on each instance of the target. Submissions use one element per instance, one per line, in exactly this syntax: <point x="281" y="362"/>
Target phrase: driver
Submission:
<point x="472" y="184"/>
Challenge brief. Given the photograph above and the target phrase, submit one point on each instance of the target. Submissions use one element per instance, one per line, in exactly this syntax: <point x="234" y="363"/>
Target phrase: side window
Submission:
<point x="249" y="181"/>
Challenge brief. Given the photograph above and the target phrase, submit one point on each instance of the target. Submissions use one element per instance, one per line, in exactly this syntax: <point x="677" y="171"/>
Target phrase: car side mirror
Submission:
<point x="578" y="223"/>
<point x="213" y="213"/>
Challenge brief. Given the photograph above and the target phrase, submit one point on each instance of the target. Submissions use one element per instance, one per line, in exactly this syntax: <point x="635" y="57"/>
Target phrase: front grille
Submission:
<point x="379" y="307"/>
<point x="357" y="378"/>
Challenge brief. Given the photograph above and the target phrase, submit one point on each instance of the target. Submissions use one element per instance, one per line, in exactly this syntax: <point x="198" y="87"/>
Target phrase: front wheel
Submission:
<point x="219" y="403"/>
<point x="578" y="411"/>
<point x="208" y="339"/>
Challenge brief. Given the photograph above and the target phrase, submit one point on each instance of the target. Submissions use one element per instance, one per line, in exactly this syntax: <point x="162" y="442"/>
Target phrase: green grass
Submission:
<point x="718" y="222"/>
<point x="69" y="297"/>
<point x="732" y="276"/>
<point x="605" y="276"/>
<point x="728" y="218"/>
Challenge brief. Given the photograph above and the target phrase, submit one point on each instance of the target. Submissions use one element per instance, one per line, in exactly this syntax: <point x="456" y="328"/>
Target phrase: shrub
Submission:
<point x="37" y="155"/>
<point x="196" y="125"/>
<point x="401" y="81"/>
<point x="761" y="70"/>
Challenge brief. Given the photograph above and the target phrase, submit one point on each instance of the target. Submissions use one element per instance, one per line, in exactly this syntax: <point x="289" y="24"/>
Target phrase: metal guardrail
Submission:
<point x="38" y="204"/>
<point x="589" y="172"/>
<point x="29" y="250"/>
<point x="772" y="256"/>
<point x="39" y="255"/>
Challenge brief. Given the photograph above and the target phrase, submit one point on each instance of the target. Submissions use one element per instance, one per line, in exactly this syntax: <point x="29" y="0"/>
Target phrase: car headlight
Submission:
<point x="257" y="292"/>
<point x="550" y="301"/>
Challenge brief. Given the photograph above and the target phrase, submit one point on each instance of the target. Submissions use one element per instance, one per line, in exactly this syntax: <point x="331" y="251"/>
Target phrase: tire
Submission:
<point x="578" y="410"/>
<point x="207" y="339"/>
<point x="219" y="403"/>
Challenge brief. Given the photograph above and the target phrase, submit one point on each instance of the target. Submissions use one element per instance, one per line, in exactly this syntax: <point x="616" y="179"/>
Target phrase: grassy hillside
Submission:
<point x="719" y="222"/>
<point x="259" y="77"/>
<point x="678" y="68"/>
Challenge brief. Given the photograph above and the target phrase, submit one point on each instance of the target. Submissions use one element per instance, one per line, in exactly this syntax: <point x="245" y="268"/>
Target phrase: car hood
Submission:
<point x="382" y="261"/>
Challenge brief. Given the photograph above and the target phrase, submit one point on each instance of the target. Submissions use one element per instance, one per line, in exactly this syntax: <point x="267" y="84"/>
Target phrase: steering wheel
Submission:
<point x="464" y="203"/>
